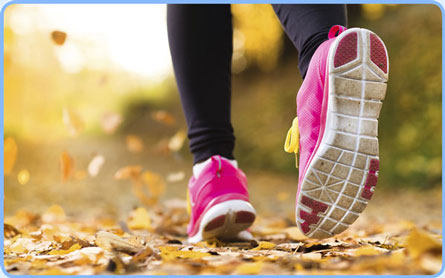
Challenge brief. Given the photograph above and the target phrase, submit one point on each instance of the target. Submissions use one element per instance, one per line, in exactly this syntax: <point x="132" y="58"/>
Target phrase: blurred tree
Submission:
<point x="258" y="35"/>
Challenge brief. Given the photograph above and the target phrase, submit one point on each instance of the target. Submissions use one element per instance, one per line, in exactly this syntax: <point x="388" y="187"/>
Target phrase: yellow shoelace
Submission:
<point x="291" y="145"/>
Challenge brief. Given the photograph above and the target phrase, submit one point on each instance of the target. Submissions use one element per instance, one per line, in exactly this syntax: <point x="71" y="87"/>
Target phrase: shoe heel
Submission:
<point x="225" y="221"/>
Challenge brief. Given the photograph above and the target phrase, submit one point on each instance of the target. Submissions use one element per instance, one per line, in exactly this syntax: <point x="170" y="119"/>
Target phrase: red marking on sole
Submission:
<point x="311" y="218"/>
<point x="215" y="223"/>
<point x="305" y="227"/>
<point x="346" y="50"/>
<point x="374" y="165"/>
<point x="244" y="217"/>
<point x="371" y="180"/>
<point x="314" y="205"/>
<point x="378" y="53"/>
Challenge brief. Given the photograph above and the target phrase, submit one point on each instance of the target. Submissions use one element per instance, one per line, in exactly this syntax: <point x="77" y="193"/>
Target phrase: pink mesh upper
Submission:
<point x="218" y="182"/>
<point x="312" y="102"/>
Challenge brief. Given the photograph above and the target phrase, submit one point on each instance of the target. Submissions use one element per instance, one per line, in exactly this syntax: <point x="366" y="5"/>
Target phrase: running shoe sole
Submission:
<point x="226" y="221"/>
<point x="343" y="171"/>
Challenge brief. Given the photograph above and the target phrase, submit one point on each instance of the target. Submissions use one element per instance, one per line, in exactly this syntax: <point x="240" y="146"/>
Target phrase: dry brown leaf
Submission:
<point x="66" y="166"/>
<point x="139" y="219"/>
<point x="177" y="141"/>
<point x="110" y="122"/>
<point x="10" y="231"/>
<point x="23" y="176"/>
<point x="142" y="255"/>
<point x="72" y="121"/>
<point x="10" y="153"/>
<point x="58" y="37"/>
<point x="164" y="117"/>
<point x="66" y="244"/>
<point x="134" y="143"/>
<point x="109" y="242"/>
<point x="95" y="165"/>
<point x="131" y="172"/>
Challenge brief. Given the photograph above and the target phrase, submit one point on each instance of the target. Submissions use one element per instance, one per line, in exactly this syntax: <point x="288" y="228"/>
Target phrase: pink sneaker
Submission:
<point x="219" y="203"/>
<point x="338" y="106"/>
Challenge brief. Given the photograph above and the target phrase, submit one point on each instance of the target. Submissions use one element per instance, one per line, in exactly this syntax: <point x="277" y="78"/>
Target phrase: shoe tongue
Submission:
<point x="198" y="168"/>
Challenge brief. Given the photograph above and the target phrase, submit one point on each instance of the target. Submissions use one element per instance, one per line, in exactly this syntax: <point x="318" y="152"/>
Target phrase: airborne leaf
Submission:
<point x="58" y="37"/>
<point x="10" y="152"/>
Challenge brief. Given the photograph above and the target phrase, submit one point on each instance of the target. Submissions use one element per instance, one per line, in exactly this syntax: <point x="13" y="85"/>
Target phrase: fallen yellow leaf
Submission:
<point x="419" y="242"/>
<point x="168" y="254"/>
<point x="249" y="268"/>
<point x="54" y="214"/>
<point x="367" y="250"/>
<point x="21" y="245"/>
<point x="140" y="219"/>
<point x="52" y="271"/>
<point x="73" y="248"/>
<point x="264" y="245"/>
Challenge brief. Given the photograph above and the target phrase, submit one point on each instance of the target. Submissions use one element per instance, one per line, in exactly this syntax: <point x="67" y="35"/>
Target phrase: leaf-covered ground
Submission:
<point x="122" y="211"/>
<point x="152" y="241"/>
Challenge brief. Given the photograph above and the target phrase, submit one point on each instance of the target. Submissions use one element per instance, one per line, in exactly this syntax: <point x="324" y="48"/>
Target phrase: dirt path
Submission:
<point x="399" y="232"/>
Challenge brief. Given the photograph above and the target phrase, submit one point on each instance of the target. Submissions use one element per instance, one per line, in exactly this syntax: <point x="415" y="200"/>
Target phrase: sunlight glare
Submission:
<point x="132" y="36"/>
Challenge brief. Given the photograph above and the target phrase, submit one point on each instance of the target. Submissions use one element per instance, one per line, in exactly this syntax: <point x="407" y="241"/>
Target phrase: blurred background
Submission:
<point x="89" y="89"/>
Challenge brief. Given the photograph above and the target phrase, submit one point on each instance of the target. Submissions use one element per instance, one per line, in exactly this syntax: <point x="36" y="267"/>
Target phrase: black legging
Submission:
<point x="200" y="38"/>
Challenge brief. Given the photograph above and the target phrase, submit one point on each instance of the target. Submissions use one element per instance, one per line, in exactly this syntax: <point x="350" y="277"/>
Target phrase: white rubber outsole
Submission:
<point x="342" y="175"/>
<point x="228" y="229"/>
